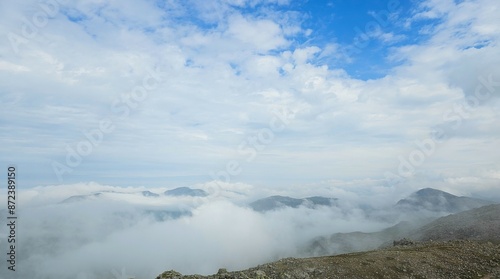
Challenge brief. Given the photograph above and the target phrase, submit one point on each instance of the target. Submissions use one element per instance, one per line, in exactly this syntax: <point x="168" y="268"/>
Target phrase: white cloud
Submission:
<point x="221" y="84"/>
<point x="260" y="34"/>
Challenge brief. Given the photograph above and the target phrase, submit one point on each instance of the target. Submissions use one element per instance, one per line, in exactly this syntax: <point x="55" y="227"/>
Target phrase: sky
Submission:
<point x="271" y="93"/>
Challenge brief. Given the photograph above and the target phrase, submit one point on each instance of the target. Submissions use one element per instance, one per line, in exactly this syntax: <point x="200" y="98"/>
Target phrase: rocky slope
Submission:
<point x="453" y="259"/>
<point x="477" y="224"/>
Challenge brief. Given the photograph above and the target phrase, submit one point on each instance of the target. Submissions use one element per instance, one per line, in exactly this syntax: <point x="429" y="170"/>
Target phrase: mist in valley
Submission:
<point x="89" y="231"/>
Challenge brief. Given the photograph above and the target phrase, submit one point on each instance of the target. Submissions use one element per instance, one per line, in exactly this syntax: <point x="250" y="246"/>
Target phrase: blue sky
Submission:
<point x="346" y="22"/>
<point x="272" y="93"/>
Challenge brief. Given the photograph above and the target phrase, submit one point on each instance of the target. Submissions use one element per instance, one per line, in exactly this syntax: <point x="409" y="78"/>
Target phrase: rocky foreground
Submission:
<point x="452" y="259"/>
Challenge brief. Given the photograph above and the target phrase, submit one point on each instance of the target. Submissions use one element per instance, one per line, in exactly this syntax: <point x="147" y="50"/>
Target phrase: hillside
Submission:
<point x="455" y="259"/>
<point x="340" y="243"/>
<point x="477" y="224"/>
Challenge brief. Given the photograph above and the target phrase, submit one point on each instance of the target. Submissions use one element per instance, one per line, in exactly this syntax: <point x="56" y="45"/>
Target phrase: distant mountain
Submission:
<point x="438" y="201"/>
<point x="114" y="195"/>
<point x="276" y="202"/>
<point x="163" y="215"/>
<point x="185" y="191"/>
<point x="93" y="196"/>
<point x="476" y="224"/>
<point x="149" y="194"/>
<point x="80" y="198"/>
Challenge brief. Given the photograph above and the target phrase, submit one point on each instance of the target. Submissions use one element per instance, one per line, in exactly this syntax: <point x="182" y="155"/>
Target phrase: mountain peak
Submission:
<point x="439" y="201"/>
<point x="429" y="192"/>
<point x="149" y="194"/>
<point x="186" y="191"/>
<point x="79" y="198"/>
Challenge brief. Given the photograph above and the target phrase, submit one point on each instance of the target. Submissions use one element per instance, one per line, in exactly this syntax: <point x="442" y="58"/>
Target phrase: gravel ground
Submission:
<point x="452" y="259"/>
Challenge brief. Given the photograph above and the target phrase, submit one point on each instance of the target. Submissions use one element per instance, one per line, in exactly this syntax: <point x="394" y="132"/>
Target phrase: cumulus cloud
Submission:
<point x="214" y="82"/>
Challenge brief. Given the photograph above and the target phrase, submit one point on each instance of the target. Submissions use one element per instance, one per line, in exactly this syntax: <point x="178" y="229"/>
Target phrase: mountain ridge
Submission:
<point x="276" y="202"/>
<point x="438" y="201"/>
<point x="186" y="191"/>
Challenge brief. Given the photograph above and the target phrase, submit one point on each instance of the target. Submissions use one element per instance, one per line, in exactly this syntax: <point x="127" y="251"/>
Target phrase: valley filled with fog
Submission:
<point x="90" y="231"/>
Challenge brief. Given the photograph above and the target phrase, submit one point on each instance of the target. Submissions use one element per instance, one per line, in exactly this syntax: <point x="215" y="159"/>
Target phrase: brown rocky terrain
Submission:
<point x="452" y="259"/>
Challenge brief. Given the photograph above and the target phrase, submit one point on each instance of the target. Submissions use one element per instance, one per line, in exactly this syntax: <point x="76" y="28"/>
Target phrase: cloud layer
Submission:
<point x="99" y="236"/>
